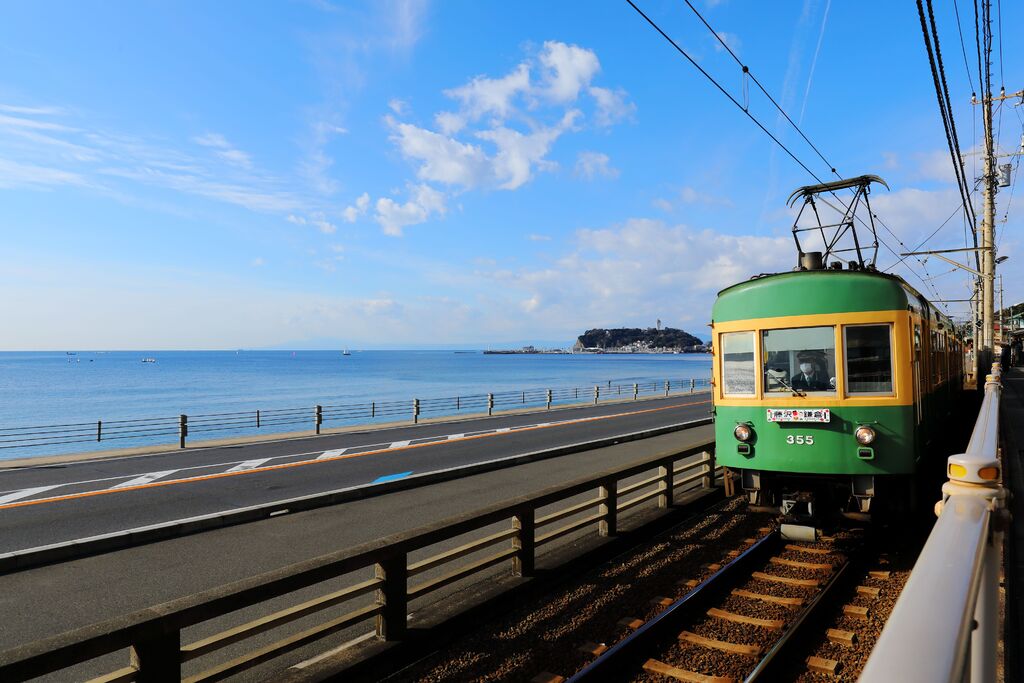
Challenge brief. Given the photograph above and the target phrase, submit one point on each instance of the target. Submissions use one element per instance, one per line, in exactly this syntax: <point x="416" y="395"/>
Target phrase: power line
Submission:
<point x="945" y="106"/>
<point x="963" y="49"/>
<point x="723" y="90"/>
<point x="746" y="111"/>
<point x="746" y="70"/>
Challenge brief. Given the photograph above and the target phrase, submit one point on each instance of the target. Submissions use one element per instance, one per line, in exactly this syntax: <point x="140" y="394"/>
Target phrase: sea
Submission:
<point x="42" y="389"/>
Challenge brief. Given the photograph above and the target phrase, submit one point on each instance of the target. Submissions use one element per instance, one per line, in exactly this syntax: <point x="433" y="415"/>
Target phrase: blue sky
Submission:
<point x="411" y="173"/>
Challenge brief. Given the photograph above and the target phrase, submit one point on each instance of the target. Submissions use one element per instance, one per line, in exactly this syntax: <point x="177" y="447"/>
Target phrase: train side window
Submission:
<point x="738" y="364"/>
<point x="868" y="359"/>
<point x="801" y="359"/>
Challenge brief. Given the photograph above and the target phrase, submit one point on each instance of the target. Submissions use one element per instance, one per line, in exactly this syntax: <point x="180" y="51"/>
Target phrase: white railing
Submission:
<point x="945" y="625"/>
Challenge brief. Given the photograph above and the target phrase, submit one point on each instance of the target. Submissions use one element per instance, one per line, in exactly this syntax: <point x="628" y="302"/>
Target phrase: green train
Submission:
<point x="832" y="388"/>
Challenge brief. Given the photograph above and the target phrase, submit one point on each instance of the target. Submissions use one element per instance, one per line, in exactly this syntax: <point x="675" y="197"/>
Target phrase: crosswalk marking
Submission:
<point x="399" y="444"/>
<point x="144" y="479"/>
<point x="248" y="465"/>
<point x="25" y="493"/>
<point x="327" y="455"/>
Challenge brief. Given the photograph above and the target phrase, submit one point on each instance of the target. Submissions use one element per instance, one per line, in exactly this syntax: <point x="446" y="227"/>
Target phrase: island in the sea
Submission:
<point x="636" y="340"/>
<point x="627" y="340"/>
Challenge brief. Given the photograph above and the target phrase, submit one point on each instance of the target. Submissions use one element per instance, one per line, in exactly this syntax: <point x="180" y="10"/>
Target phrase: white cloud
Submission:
<point x="569" y="68"/>
<point x="641" y="269"/>
<point x="730" y="39"/>
<point x="612" y="106"/>
<point x="534" y="237"/>
<point x="297" y="220"/>
<point x="354" y="211"/>
<point x="257" y="262"/>
<point x="393" y="217"/>
<point x="319" y="220"/>
<point x="484" y="95"/>
<point x="442" y="159"/>
<point x="398" y="106"/>
<point x="592" y="165"/>
<point x="449" y="123"/>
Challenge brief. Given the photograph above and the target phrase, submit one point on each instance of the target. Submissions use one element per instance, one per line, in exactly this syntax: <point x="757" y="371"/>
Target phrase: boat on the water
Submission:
<point x="149" y="360"/>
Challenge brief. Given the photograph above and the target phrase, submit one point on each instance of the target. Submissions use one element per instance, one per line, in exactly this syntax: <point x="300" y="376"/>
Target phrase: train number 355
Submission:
<point x="800" y="440"/>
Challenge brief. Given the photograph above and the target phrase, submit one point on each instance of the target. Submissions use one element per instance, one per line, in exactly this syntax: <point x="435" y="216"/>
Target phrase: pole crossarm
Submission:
<point x="938" y="254"/>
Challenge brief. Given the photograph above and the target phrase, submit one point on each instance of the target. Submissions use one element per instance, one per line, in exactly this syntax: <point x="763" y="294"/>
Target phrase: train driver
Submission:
<point x="809" y="378"/>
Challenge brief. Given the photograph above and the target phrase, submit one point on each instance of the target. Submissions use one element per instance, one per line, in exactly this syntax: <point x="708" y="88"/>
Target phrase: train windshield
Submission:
<point x="800" y="359"/>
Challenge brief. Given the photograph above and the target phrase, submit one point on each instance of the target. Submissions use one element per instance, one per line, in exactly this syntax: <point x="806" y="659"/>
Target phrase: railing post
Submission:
<point x="577" y="390"/>
<point x="597" y="393"/>
<point x="549" y="400"/>
<point x="99" y="430"/>
<point x="318" y="417"/>
<point x="373" y="409"/>
<point x="490" y="403"/>
<point x="257" y="419"/>
<point x="609" y="509"/>
<point x="524" y="542"/>
<point x="693" y="384"/>
<point x="667" y="385"/>
<point x="667" y="484"/>
<point x="709" y="471"/>
<point x="636" y="390"/>
<point x="524" y="397"/>
<point x="391" y="622"/>
<point x="182" y="430"/>
<point x="157" y="658"/>
<point x="458" y="403"/>
<point x="415" y="411"/>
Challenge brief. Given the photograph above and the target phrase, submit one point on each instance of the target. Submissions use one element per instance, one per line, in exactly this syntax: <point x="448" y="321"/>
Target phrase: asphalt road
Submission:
<point x="43" y="601"/>
<point x="67" y="502"/>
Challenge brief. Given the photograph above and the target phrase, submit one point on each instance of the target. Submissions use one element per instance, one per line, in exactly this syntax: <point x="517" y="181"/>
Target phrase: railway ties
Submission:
<point x="742" y="623"/>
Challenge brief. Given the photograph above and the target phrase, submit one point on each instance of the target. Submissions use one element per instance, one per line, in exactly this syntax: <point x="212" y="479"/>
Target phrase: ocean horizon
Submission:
<point x="45" y="388"/>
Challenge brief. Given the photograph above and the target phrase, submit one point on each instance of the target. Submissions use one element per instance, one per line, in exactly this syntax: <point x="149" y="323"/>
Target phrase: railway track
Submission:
<point x="742" y="623"/>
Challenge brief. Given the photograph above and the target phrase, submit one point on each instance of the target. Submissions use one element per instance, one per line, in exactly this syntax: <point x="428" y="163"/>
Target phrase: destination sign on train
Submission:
<point x="799" y="415"/>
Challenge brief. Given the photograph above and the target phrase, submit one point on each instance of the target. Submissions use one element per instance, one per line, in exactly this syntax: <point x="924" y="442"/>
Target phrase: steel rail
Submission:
<point x="626" y="657"/>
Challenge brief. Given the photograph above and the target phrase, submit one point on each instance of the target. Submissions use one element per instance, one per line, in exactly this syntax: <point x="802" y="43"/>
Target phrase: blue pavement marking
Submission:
<point x="391" y="477"/>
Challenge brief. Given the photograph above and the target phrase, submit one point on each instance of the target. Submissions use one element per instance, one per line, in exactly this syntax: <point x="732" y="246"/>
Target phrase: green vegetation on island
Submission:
<point x="637" y="340"/>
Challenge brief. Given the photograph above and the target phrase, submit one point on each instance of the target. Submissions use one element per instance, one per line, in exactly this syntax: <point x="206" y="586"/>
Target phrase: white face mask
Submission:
<point x="806" y="368"/>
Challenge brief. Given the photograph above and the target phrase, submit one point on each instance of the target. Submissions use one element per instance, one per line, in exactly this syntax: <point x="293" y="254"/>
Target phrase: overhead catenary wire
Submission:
<point x="746" y="70"/>
<point x="725" y="92"/>
<point x="758" y="123"/>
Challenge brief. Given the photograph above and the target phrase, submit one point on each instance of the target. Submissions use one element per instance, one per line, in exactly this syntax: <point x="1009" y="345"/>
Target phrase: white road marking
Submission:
<point x="251" y="465"/>
<point x="248" y="465"/>
<point x="327" y="455"/>
<point x="144" y="479"/>
<point x="25" y="493"/>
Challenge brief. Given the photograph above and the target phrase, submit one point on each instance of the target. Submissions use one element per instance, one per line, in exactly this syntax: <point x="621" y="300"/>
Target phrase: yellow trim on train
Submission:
<point x="902" y="323"/>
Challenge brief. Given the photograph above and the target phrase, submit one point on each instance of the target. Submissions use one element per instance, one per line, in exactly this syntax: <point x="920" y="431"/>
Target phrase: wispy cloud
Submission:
<point x="224" y="150"/>
<point x="591" y="165"/>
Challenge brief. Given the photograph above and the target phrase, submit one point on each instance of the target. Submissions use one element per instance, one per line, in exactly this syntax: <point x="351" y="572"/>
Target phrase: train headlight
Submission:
<point x="865" y="435"/>
<point x="743" y="432"/>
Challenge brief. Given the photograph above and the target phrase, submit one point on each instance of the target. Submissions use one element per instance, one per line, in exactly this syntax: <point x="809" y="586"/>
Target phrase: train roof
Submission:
<point x="807" y="292"/>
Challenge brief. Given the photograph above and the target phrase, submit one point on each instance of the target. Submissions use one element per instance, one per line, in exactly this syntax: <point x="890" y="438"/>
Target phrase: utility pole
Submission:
<point x="989" y="198"/>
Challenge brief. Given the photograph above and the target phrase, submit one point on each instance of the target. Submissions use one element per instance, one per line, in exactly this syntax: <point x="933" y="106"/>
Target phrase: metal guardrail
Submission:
<point x="945" y="625"/>
<point x="154" y="636"/>
<point x="163" y="429"/>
